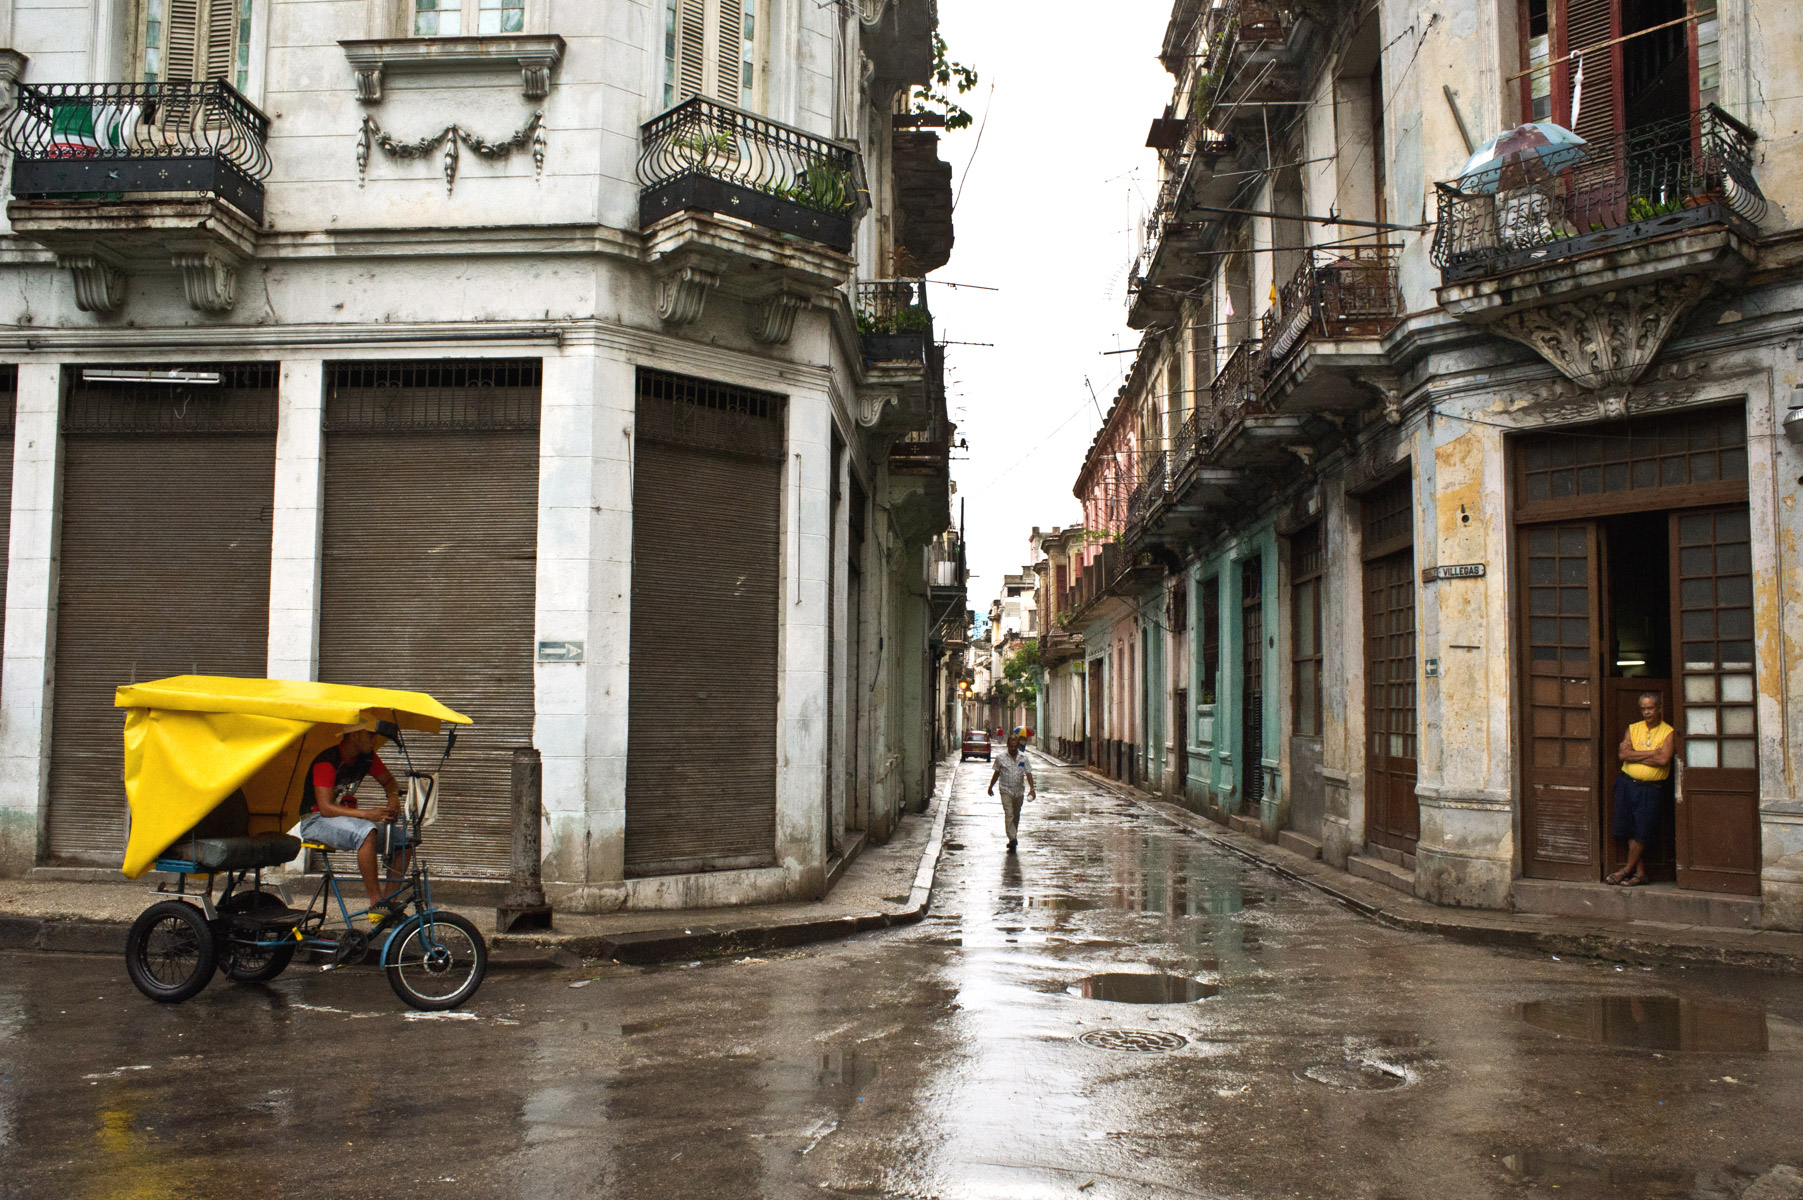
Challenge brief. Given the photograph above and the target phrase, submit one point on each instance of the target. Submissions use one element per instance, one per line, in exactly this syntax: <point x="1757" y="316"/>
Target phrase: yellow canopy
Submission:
<point x="193" y="740"/>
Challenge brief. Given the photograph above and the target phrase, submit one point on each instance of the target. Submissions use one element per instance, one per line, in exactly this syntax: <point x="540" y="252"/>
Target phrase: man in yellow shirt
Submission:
<point x="1646" y="763"/>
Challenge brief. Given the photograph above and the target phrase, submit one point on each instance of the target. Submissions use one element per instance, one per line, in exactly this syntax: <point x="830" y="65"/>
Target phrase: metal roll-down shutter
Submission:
<point x="701" y="722"/>
<point x="430" y="565"/>
<point x="167" y="498"/>
<point x="9" y="395"/>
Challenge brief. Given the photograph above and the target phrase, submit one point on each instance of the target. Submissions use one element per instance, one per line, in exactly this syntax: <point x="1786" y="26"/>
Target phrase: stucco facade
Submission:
<point x="524" y="234"/>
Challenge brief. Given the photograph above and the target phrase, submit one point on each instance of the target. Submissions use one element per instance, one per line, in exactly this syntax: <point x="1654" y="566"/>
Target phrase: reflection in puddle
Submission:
<point x="1062" y="903"/>
<point x="1125" y="988"/>
<point x="1600" y="1177"/>
<point x="1363" y="1076"/>
<point x="1650" y="1022"/>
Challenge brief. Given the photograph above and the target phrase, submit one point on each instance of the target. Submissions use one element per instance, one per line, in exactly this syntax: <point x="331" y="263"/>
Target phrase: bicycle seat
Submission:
<point x="242" y="853"/>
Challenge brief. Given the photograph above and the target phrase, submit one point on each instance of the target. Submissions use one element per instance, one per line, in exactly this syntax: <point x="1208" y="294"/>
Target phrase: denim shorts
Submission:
<point x="346" y="833"/>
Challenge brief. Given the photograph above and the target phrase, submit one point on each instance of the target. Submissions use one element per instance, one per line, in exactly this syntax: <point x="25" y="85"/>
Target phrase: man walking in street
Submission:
<point x="1646" y="763"/>
<point x="1015" y="774"/>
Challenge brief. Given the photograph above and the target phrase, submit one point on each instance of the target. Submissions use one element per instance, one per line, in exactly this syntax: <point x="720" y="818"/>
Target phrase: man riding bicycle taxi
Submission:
<point x="335" y="820"/>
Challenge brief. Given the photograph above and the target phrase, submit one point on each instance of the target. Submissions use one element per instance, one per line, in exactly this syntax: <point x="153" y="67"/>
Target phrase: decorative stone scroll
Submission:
<point x="682" y="293"/>
<point x="99" y="284"/>
<point x="209" y="280"/>
<point x="451" y="137"/>
<point x="1605" y="343"/>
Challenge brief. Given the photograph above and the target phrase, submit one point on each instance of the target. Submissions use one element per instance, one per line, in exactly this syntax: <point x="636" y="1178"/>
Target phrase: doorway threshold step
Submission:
<point x="1299" y="843"/>
<point x="1666" y="903"/>
<point x="1250" y="826"/>
<point x="1366" y="866"/>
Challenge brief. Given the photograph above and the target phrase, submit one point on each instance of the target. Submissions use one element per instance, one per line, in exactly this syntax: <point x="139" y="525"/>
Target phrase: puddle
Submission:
<point x="1362" y="1076"/>
<point x="1063" y="903"/>
<point x="1651" y="1023"/>
<point x="1133" y="988"/>
<point x="1605" y="1177"/>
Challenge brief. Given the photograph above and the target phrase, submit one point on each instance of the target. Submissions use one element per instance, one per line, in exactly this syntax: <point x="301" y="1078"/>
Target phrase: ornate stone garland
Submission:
<point x="451" y="137"/>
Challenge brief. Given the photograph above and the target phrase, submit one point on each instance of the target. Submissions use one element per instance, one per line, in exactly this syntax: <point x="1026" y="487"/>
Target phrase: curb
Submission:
<point x="1493" y="929"/>
<point x="649" y="946"/>
<point x="527" y="952"/>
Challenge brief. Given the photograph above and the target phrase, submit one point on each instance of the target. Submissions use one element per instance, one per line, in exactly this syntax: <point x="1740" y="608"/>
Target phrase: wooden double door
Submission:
<point x="1613" y="607"/>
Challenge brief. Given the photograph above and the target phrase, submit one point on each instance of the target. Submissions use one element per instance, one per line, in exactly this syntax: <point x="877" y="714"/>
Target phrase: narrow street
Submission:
<point x="992" y="1051"/>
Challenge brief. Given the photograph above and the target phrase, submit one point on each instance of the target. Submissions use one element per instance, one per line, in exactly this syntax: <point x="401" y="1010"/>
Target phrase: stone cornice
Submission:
<point x="535" y="56"/>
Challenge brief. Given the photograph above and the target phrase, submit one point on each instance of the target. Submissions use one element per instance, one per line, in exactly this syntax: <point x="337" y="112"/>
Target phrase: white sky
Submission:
<point x="1047" y="214"/>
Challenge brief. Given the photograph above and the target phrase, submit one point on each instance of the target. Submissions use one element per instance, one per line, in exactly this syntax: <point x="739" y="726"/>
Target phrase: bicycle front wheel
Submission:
<point x="436" y="961"/>
<point x="170" y="953"/>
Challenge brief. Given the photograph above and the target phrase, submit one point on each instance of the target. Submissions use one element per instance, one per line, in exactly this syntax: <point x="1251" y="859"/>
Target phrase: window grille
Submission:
<point x="434" y="396"/>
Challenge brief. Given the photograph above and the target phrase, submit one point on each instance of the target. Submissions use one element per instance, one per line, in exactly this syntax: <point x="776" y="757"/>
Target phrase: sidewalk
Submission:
<point x="1627" y="941"/>
<point x="882" y="887"/>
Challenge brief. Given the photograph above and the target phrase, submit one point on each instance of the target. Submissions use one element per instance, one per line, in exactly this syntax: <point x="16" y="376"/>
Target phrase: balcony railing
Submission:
<point x="921" y="454"/>
<point x="1671" y="175"/>
<point x="1337" y="292"/>
<point x="893" y="319"/>
<point x="103" y="141"/>
<point x="1192" y="440"/>
<point x="1235" y="387"/>
<point x="1151" y="489"/>
<point x="710" y="157"/>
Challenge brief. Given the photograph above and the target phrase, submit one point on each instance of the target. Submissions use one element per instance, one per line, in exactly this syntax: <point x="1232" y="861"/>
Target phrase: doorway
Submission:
<point x="1252" y="684"/>
<point x="1392" y="810"/>
<point x="1642" y="583"/>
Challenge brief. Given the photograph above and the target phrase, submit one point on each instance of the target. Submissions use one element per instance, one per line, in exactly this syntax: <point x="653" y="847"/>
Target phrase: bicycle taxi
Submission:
<point x="216" y="769"/>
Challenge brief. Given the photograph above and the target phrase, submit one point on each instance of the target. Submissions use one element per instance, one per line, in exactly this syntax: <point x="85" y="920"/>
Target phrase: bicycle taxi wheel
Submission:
<point x="243" y="961"/>
<point x="170" y="953"/>
<point x="437" y="963"/>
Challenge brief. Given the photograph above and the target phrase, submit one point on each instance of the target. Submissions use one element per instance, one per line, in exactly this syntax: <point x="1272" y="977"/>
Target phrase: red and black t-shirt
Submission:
<point x="332" y="770"/>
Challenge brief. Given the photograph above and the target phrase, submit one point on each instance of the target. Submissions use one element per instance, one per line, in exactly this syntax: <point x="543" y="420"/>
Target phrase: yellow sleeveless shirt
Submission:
<point x="1642" y="738"/>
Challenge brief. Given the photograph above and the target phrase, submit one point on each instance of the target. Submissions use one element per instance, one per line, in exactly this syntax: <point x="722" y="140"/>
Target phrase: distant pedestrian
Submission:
<point x="1015" y="774"/>
<point x="1646" y="763"/>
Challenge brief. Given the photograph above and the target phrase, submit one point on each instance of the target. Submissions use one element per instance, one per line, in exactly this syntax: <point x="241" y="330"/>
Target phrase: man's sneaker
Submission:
<point x="385" y="912"/>
<point x="1011" y="847"/>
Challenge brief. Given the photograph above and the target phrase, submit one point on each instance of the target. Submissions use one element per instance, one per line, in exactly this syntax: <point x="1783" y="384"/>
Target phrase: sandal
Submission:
<point x="1618" y="877"/>
<point x="1633" y="880"/>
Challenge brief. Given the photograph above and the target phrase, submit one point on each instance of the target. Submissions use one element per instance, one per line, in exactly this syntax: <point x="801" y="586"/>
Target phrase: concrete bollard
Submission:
<point x="524" y="905"/>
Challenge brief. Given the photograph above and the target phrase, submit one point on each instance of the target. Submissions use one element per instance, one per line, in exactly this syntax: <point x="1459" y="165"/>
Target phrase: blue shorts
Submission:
<point x="1639" y="804"/>
<point x="347" y="833"/>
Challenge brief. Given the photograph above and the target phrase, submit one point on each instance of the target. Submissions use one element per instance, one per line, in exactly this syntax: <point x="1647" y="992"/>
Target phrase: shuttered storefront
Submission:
<point x="429" y="567"/>
<point x="167" y="495"/>
<point x="701" y="735"/>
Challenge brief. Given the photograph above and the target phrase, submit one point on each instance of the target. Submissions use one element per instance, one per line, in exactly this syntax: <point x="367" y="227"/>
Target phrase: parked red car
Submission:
<point x="975" y="745"/>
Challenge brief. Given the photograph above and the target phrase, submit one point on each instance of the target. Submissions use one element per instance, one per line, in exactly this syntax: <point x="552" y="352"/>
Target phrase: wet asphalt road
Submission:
<point x="1328" y="1057"/>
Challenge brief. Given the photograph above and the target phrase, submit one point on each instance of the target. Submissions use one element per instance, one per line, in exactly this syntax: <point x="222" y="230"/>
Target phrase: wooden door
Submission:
<point x="1561" y="774"/>
<point x="1392" y="812"/>
<point x="1252" y="684"/>
<point x="1717" y="811"/>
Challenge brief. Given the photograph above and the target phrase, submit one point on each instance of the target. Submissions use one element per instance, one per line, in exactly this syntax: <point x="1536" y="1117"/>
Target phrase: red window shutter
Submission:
<point x="1589" y="23"/>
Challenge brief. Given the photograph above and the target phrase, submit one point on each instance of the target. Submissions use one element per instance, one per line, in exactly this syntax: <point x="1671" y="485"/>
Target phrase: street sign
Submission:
<point x="1455" y="571"/>
<point x="569" y="652"/>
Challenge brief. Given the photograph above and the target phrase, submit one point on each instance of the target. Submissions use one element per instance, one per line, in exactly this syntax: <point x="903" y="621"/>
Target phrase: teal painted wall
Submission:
<point x="1216" y="750"/>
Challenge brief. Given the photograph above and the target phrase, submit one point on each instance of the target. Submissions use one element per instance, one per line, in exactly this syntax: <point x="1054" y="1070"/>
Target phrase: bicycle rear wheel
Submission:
<point x="436" y="961"/>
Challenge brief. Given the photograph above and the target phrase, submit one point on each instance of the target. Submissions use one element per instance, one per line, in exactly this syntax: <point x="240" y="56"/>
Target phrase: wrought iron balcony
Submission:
<point x="1338" y="292"/>
<point x="1150" y="491"/>
<point x="108" y="141"/>
<point x="709" y="157"/>
<point x="1236" y="386"/>
<point x="1192" y="440"/>
<point x="927" y="453"/>
<point x="1667" y="177"/>
<point x="893" y="319"/>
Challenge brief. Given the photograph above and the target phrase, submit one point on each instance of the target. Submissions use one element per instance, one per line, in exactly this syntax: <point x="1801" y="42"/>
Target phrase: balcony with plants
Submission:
<point x="116" y="177"/>
<point x="1672" y="206"/>
<point x="735" y="202"/>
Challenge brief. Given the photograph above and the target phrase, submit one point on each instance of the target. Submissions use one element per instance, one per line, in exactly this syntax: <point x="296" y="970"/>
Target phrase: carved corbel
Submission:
<point x="772" y="316"/>
<point x="1303" y="451"/>
<point x="1605" y="343"/>
<point x="682" y="293"/>
<point x="535" y="78"/>
<point x="99" y="283"/>
<point x="872" y="405"/>
<point x="369" y="83"/>
<point x="209" y="279"/>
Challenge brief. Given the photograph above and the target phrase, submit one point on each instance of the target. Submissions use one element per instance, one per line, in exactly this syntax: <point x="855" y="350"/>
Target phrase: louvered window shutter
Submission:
<point x="1589" y="23"/>
<point x="708" y="50"/>
<point x="183" y="34"/>
<point x="200" y="40"/>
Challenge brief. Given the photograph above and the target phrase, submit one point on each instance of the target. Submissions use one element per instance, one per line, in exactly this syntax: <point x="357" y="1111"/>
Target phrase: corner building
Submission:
<point x="545" y="355"/>
<point x="1420" y="479"/>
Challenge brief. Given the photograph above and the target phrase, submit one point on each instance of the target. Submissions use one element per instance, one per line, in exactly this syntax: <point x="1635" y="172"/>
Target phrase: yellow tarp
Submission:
<point x="193" y="740"/>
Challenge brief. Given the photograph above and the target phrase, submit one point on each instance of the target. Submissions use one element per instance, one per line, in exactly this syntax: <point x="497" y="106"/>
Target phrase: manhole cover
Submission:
<point x="1134" y="1041"/>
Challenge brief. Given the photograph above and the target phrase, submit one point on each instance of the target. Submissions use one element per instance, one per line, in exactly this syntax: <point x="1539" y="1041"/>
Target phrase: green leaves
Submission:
<point x="949" y="79"/>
